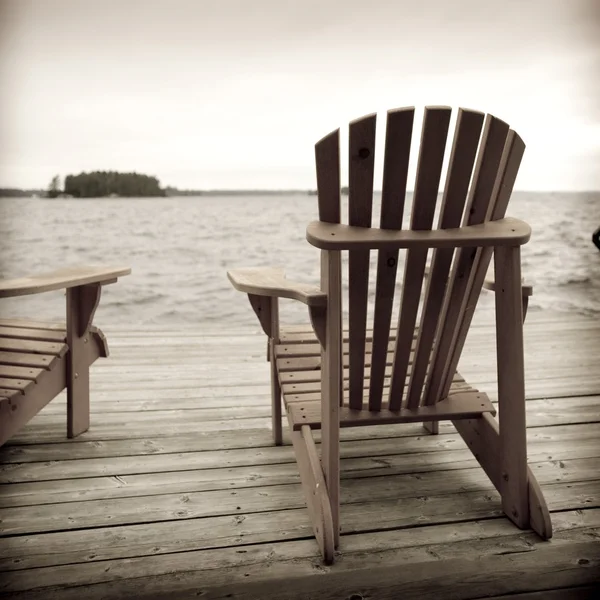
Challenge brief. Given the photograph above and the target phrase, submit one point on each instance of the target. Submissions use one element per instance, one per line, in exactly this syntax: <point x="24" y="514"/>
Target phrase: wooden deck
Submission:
<point x="176" y="491"/>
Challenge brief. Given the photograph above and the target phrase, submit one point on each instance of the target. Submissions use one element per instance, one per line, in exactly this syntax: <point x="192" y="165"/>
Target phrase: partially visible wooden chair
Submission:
<point x="38" y="359"/>
<point x="380" y="374"/>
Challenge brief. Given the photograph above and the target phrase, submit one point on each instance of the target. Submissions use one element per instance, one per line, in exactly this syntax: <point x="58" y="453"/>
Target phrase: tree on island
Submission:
<point x="111" y="183"/>
<point x="54" y="187"/>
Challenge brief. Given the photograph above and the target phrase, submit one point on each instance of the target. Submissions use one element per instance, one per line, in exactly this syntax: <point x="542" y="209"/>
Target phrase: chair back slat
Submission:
<point x="466" y="259"/>
<point x="398" y="138"/>
<point x="507" y="174"/>
<point x="429" y="169"/>
<point x="360" y="208"/>
<point x="327" y="155"/>
<point x="460" y="168"/>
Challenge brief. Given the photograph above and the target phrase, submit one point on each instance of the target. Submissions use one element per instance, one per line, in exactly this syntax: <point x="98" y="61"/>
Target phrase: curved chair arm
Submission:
<point x="265" y="286"/>
<point x="83" y="286"/>
<point x="59" y="280"/>
<point x="272" y="282"/>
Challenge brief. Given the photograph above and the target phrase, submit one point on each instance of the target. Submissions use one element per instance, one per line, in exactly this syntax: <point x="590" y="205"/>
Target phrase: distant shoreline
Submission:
<point x="169" y="193"/>
<point x="217" y="192"/>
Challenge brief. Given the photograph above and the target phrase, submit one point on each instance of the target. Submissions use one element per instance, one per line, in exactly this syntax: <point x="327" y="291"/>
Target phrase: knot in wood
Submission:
<point x="364" y="153"/>
<point x="391" y="261"/>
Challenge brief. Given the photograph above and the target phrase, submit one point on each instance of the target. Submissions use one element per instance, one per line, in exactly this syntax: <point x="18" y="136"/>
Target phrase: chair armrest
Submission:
<point x="503" y="232"/>
<point x="272" y="282"/>
<point x="61" y="279"/>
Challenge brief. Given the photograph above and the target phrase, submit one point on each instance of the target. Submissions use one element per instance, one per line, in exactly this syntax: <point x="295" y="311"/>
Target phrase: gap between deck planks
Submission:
<point x="151" y="509"/>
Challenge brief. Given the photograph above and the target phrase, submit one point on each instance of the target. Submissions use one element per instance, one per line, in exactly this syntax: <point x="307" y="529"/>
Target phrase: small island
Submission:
<point x="98" y="184"/>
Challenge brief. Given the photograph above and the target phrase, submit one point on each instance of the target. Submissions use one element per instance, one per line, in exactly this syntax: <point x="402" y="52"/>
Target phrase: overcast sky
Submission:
<point x="234" y="93"/>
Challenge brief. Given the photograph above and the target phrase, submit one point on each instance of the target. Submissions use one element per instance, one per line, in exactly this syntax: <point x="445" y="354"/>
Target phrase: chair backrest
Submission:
<point x="416" y="365"/>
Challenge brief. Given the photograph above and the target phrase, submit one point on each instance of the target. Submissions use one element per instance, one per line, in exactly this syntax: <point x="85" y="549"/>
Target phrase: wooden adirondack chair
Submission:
<point x="38" y="359"/>
<point x="383" y="375"/>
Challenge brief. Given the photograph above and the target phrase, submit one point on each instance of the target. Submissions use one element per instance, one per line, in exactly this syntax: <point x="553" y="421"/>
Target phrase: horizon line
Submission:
<point x="306" y="190"/>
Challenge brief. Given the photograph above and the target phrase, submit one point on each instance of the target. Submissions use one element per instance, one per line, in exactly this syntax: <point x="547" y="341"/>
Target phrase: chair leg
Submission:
<point x="267" y="311"/>
<point x="78" y="399"/>
<point x="275" y="397"/>
<point x="482" y="436"/>
<point x="432" y="427"/>
<point x="82" y="302"/>
<point x="315" y="491"/>
<point x="511" y="384"/>
<point x="331" y="383"/>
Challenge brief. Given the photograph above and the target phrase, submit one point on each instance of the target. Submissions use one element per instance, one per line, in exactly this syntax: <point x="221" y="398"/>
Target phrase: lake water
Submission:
<point x="180" y="249"/>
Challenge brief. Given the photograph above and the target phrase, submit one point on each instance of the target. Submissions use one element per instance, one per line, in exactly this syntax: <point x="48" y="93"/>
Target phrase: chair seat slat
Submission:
<point x="457" y="386"/>
<point x="29" y="324"/>
<point x="312" y="384"/>
<point x="304" y="375"/>
<point x="6" y="395"/>
<point x="24" y="373"/>
<point x="463" y="405"/>
<point x="307" y="335"/>
<point x="42" y="335"/>
<point x="22" y="385"/>
<point x="296" y="350"/>
<point x="24" y="359"/>
<point x="32" y="346"/>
